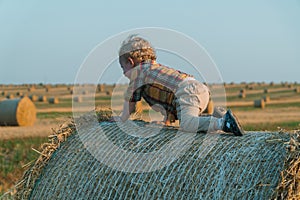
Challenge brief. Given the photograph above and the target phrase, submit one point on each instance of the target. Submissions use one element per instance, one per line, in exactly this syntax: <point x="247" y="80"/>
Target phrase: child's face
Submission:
<point x="126" y="66"/>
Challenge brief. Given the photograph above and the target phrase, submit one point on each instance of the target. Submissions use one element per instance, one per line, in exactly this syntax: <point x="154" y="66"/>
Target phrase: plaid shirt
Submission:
<point x="156" y="84"/>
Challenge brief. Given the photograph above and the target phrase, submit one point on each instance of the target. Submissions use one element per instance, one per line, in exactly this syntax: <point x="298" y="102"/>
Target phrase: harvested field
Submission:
<point x="41" y="128"/>
<point x="282" y="100"/>
<point x="281" y="110"/>
<point x="107" y="161"/>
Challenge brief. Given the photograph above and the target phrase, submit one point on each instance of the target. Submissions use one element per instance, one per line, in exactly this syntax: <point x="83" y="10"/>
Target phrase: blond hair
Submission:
<point x="137" y="48"/>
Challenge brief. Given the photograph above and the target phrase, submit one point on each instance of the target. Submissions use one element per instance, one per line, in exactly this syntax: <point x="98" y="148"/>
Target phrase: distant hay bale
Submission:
<point x="249" y="87"/>
<point x="31" y="89"/>
<point x="10" y="96"/>
<point x="42" y="98"/>
<point x="259" y="103"/>
<point x="4" y="93"/>
<point x="117" y="164"/>
<point x="266" y="99"/>
<point x="85" y="92"/>
<point x="242" y="95"/>
<point x="17" y="112"/>
<point x="24" y="95"/>
<point x="70" y="88"/>
<point x="108" y="93"/>
<point x="53" y="100"/>
<point x="297" y="90"/>
<point x="19" y="94"/>
<point x="34" y="98"/>
<point x="101" y="88"/>
<point x="77" y="99"/>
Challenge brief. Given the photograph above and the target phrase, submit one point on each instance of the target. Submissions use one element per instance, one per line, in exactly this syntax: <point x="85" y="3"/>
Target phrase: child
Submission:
<point x="175" y="94"/>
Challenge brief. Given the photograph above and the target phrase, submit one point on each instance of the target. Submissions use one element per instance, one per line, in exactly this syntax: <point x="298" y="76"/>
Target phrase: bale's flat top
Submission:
<point x="26" y="112"/>
<point x="138" y="161"/>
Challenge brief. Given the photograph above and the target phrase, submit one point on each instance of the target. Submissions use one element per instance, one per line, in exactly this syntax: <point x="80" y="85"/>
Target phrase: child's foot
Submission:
<point x="219" y="112"/>
<point x="231" y="124"/>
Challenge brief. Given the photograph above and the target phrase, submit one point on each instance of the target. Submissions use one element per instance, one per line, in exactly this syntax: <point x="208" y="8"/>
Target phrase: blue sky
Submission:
<point x="46" y="42"/>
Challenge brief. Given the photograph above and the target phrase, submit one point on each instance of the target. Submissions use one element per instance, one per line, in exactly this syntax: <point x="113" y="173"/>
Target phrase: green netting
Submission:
<point x="206" y="166"/>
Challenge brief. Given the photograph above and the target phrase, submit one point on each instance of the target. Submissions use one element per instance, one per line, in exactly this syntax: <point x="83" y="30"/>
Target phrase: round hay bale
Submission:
<point x="10" y="96"/>
<point x="77" y="99"/>
<point x="108" y="93"/>
<point x="24" y="95"/>
<point x="297" y="90"/>
<point x="31" y="89"/>
<point x="42" y="98"/>
<point x="249" y="87"/>
<point x="242" y="95"/>
<point x="4" y="93"/>
<point x="20" y="94"/>
<point x="70" y="88"/>
<point x="259" y="103"/>
<point x="34" y="98"/>
<point x="210" y="108"/>
<point x="101" y="88"/>
<point x="214" y="166"/>
<point x="85" y="92"/>
<point x="53" y="100"/>
<point x="267" y="99"/>
<point x="17" y="112"/>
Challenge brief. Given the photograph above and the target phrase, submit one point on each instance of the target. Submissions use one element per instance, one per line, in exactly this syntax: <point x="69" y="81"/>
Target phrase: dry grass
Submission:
<point x="25" y="186"/>
<point x="289" y="187"/>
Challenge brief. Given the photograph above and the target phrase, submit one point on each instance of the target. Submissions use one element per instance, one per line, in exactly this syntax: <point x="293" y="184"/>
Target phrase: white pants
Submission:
<point x="192" y="99"/>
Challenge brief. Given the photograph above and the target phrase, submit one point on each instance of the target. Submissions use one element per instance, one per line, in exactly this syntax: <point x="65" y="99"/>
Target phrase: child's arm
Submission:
<point x="128" y="108"/>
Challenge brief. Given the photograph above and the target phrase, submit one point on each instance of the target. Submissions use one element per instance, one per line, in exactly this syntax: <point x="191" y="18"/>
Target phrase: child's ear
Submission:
<point x="131" y="61"/>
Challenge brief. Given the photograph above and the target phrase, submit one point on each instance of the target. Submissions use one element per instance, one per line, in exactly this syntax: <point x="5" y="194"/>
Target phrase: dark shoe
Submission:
<point x="231" y="124"/>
